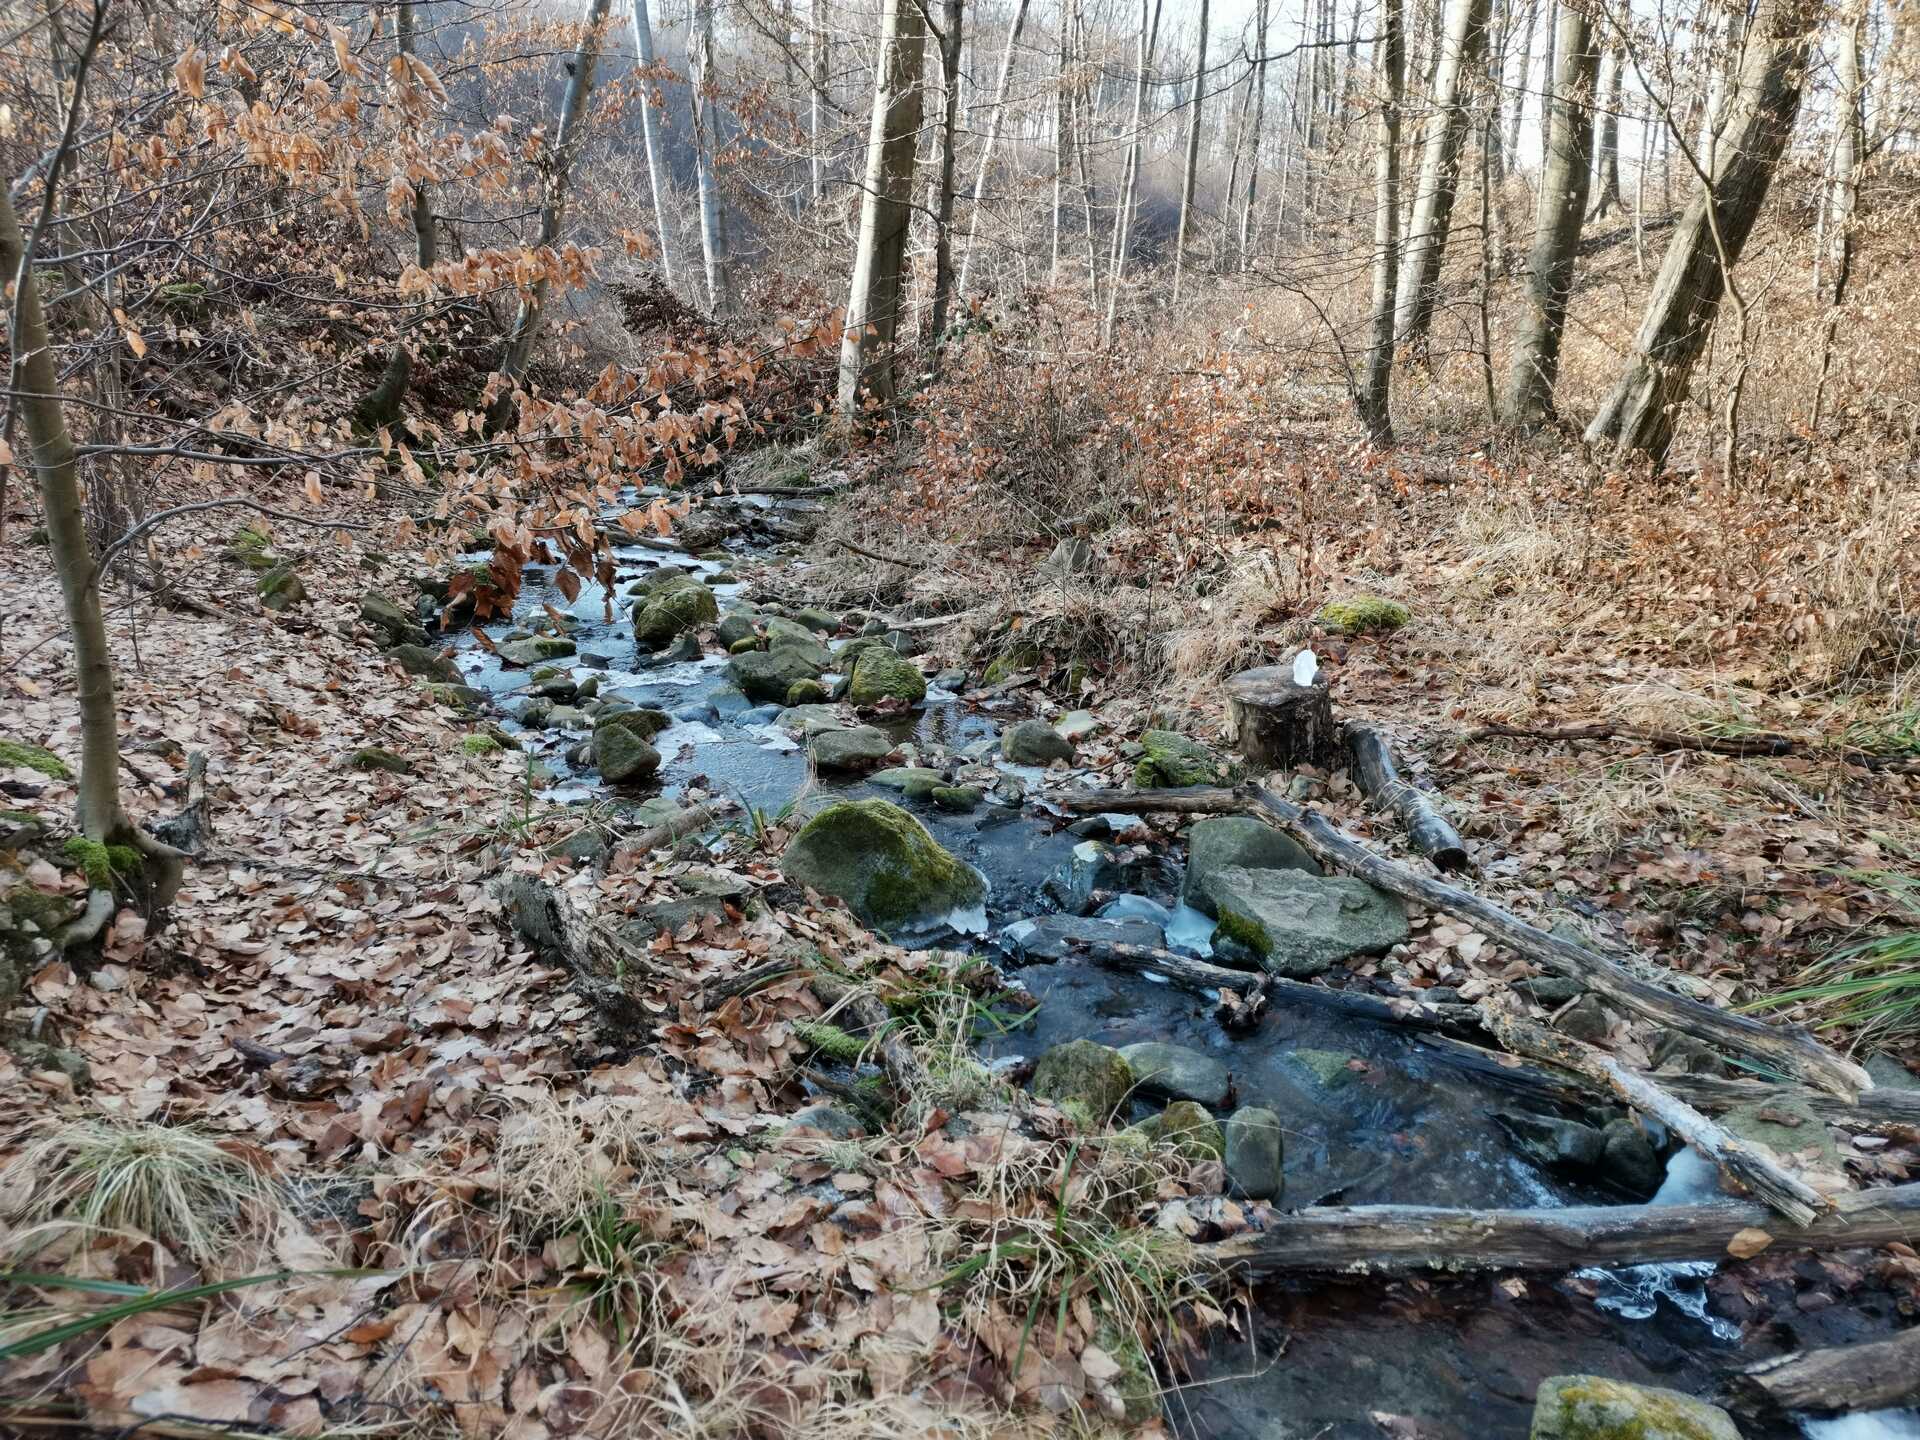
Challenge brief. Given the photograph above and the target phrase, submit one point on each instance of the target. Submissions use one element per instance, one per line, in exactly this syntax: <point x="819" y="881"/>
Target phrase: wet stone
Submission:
<point x="1592" y="1407"/>
<point x="1178" y="1072"/>
<point x="1052" y="937"/>
<point x="1254" y="1152"/>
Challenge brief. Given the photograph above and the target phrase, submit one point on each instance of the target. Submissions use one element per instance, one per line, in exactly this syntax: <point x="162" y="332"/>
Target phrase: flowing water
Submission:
<point x="1372" y="1114"/>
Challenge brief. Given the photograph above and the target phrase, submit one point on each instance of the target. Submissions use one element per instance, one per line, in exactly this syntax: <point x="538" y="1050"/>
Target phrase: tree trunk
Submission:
<point x="553" y="205"/>
<point x="1833" y="247"/>
<point x="817" y="105"/>
<point x="1643" y="409"/>
<point x="994" y="125"/>
<point x="953" y="16"/>
<point x="1878" y="1375"/>
<point x="1259" y="126"/>
<point x="1426" y="239"/>
<point x="713" y="213"/>
<point x="1062" y="137"/>
<point x="1130" y="184"/>
<point x="1606" y="160"/>
<point x="657" y="173"/>
<point x="1526" y="70"/>
<point x="1376" y="389"/>
<point x="1281" y="725"/>
<point x="1561" y="204"/>
<point x="886" y="211"/>
<point x="1191" y="172"/>
<point x="1548" y="70"/>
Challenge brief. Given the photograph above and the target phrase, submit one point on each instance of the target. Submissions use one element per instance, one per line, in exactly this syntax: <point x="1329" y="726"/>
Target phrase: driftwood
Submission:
<point x="600" y="961"/>
<point x="1755" y="746"/>
<point x="690" y="821"/>
<point x="1380" y="782"/>
<point x="1773" y="1047"/>
<point x="1396" y="1239"/>
<point x="1754" y="1172"/>
<point x="1882" y="1110"/>
<point x="1281" y="725"/>
<point x="1878" y="1375"/>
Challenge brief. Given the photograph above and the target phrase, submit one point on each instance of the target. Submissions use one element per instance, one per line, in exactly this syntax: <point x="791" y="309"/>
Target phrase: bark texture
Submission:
<point x="1376" y="388"/>
<point x="713" y="210"/>
<point x="994" y="126"/>
<point x="650" y="102"/>
<point x="1643" y="408"/>
<point x="886" y="210"/>
<point x="1556" y="225"/>
<point x="1190" y="173"/>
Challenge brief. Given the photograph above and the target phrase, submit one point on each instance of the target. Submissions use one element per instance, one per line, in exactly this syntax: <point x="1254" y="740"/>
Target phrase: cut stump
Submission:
<point x="1281" y="725"/>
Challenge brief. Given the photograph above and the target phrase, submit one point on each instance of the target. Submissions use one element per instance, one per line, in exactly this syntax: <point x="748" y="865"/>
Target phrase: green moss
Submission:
<point x="1136" y="1384"/>
<point x="831" y="1041"/>
<point x="1591" y="1407"/>
<point x="479" y="745"/>
<point x="1011" y="663"/>
<point x="1247" y="931"/>
<point x="881" y="862"/>
<point x="1081" y="1071"/>
<point x="33" y="757"/>
<point x="880" y="674"/>
<point x="1173" y="760"/>
<point x="46" y="913"/>
<point x="1364" y="615"/>
<point x="376" y="757"/>
<point x="100" y="863"/>
<point x="672" y="609"/>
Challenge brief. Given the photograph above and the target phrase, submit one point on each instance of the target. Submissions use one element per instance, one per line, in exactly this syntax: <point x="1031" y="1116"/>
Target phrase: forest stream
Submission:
<point x="1372" y="1114"/>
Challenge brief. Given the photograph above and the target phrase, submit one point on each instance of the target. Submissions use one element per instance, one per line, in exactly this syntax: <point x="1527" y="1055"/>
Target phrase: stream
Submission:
<point x="1372" y="1114"/>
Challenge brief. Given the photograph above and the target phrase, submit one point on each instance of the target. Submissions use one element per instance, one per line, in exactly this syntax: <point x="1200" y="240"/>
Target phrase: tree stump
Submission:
<point x="1281" y="725"/>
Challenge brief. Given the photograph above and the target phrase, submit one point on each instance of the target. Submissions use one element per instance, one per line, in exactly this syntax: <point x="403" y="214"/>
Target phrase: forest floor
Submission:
<point x="340" y="1000"/>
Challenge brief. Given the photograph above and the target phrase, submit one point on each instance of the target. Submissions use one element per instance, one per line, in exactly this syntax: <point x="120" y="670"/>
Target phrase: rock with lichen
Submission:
<point x="882" y="862"/>
<point x="1593" y="1407"/>
<point x="1094" y="1078"/>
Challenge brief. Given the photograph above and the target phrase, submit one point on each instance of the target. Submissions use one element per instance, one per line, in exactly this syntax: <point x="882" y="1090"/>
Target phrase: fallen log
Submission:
<point x="1751" y="1170"/>
<point x="603" y="965"/>
<point x="903" y="1067"/>
<point x="1759" y="745"/>
<point x="1878" y="1375"/>
<point x="1380" y="782"/>
<point x="1771" y="1047"/>
<point x="1879" y="1111"/>
<point x="1397" y="1239"/>
<point x="690" y="821"/>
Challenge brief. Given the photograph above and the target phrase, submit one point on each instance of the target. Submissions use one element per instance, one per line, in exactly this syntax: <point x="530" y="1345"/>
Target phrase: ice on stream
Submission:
<point x="1865" y="1425"/>
<point x="1634" y="1292"/>
<point x="1186" y="928"/>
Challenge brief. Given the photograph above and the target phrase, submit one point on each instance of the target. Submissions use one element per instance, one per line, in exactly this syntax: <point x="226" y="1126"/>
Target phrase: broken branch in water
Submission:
<point x="1395" y="1239"/>
<point x="1772" y="1047"/>
<point x="1879" y="1375"/>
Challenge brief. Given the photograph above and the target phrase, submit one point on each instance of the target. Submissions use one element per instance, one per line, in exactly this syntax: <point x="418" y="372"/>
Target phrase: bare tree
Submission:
<point x="713" y="213"/>
<point x="1375" y="397"/>
<point x="1130" y="181"/>
<point x="994" y="126"/>
<point x="952" y="20"/>
<point x="1558" y="212"/>
<point x="1259" y="123"/>
<point x="1515" y="116"/>
<point x="1191" y="173"/>
<point x="1643" y="408"/>
<point x="1833" y="241"/>
<point x="886" y="209"/>
<point x="1605" y="182"/>
<point x="650" y="101"/>
<point x="1446" y="131"/>
<point x="820" y="43"/>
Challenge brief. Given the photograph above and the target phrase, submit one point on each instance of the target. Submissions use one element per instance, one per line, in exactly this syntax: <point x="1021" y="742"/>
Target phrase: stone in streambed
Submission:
<point x="735" y="626"/>
<point x="1094" y="1078"/>
<point x="1169" y="760"/>
<point x="1302" y="925"/>
<point x="768" y="675"/>
<point x="882" y="862"/>
<point x="1186" y="1126"/>
<point x="1222" y="842"/>
<point x="534" y="650"/>
<point x="1592" y="1407"/>
<point x="1255" y="1152"/>
<point x="420" y="660"/>
<point x="1078" y="725"/>
<point x="957" y="798"/>
<point x="671" y="608"/>
<point x="806" y="692"/>
<point x="620" y="748"/>
<point x="1629" y="1162"/>
<point x="1178" y="1072"/>
<point x="1562" y="1147"/>
<point x="1034" y="742"/>
<point x="908" y="778"/>
<point x="880" y="675"/>
<point x="818" y="621"/>
<point x="1051" y="937"/>
<point x="859" y="748"/>
<point x="789" y="635"/>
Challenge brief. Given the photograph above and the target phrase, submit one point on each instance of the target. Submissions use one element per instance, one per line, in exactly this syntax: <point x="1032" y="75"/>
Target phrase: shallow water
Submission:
<point x="1371" y="1114"/>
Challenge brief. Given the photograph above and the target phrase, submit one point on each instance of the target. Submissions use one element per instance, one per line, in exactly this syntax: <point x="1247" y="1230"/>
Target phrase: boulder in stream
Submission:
<point x="1302" y="925"/>
<point x="1223" y="841"/>
<point x="1592" y="1407"/>
<point x="1187" y="1127"/>
<point x="880" y="674"/>
<point x="424" y="661"/>
<point x="859" y="747"/>
<point x="1034" y="742"/>
<point x="768" y="675"/>
<point x="1051" y="937"/>
<point x="1255" y="1152"/>
<point x="672" y="608"/>
<point x="534" y="650"/>
<point x="916" y="782"/>
<point x="785" y="634"/>
<point x="882" y="862"/>
<point x="1177" y="1072"/>
<point x="397" y="624"/>
<point x="620" y="748"/>
<point x="1087" y="1080"/>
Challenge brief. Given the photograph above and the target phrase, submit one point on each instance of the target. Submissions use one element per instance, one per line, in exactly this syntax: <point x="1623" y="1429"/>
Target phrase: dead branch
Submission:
<point x="690" y="821"/>
<point x="1879" y="1375"/>
<point x="1379" y="780"/>
<point x="1745" y="747"/>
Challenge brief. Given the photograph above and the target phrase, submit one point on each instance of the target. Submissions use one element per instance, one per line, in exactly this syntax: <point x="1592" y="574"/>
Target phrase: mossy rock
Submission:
<point x="671" y="611"/>
<point x="1172" y="760"/>
<point x="18" y="829"/>
<point x="784" y="634"/>
<point x="1363" y="615"/>
<point x="806" y="692"/>
<point x="183" y="301"/>
<point x="767" y="675"/>
<point x="882" y="862"/>
<point x="1011" y="663"/>
<point x="398" y="624"/>
<point x="480" y="745"/>
<point x="463" y="698"/>
<point x="818" y="621"/>
<point x="622" y="754"/>
<point x="30" y="924"/>
<point x="1593" y="1407"/>
<point x="640" y="720"/>
<point x="1136" y="1384"/>
<point x="880" y="675"/>
<point x="1187" y="1129"/>
<point x="427" y="663"/>
<point x="18" y="754"/>
<point x="252" y="548"/>
<point x="281" y="589"/>
<point x="1221" y="842"/>
<point x="735" y="626"/>
<point x="1096" y="1077"/>
<point x="378" y="757"/>
<point x="958" y="798"/>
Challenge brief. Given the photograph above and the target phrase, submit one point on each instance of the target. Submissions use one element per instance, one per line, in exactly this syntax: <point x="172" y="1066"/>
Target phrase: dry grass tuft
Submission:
<point x="1627" y="799"/>
<point x="74" y="1179"/>
<point x="1231" y="631"/>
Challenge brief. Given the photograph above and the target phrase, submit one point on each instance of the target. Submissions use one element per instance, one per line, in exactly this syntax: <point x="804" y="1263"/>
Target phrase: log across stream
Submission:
<point x="1376" y="1114"/>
